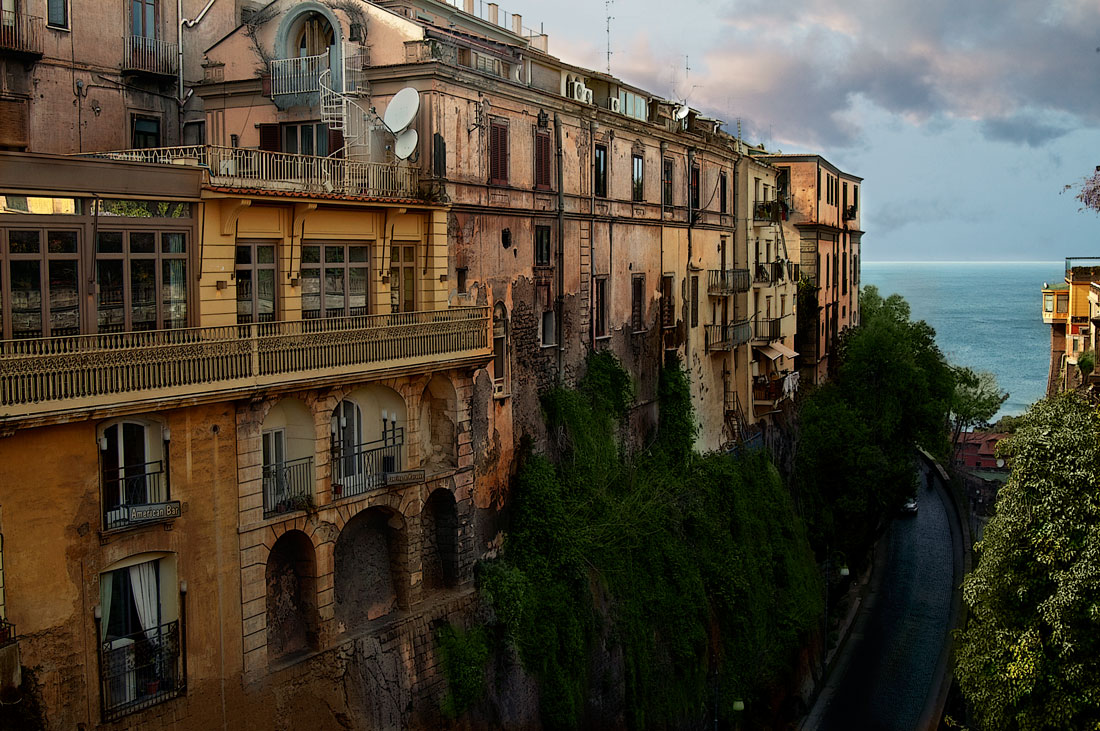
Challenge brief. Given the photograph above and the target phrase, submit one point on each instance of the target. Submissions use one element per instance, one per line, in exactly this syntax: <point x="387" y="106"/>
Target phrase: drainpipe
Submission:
<point x="690" y="221"/>
<point x="558" y="314"/>
<point x="179" y="41"/>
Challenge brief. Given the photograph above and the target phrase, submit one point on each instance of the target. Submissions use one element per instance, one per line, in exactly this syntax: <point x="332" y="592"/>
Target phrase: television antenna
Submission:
<point x="607" y="12"/>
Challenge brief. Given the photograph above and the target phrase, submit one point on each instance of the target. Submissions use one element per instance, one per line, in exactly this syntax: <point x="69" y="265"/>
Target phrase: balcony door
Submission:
<point x="403" y="278"/>
<point x="334" y="280"/>
<point x="348" y="465"/>
<point x="131" y="469"/>
<point x="143" y="19"/>
<point x="314" y="36"/>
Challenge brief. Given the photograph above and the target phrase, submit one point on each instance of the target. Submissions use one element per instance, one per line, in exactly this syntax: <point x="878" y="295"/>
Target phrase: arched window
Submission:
<point x="133" y="458"/>
<point x="311" y="36"/>
<point x="291" y="595"/>
<point x="287" y="443"/>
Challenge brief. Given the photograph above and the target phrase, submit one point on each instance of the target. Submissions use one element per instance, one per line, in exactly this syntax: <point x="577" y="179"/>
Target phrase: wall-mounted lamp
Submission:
<point x="98" y="612"/>
<point x="96" y="109"/>
<point x="844" y="571"/>
<point x="443" y="277"/>
<point x="294" y="281"/>
<point x="221" y="284"/>
<point x="103" y="444"/>
<point x="183" y="586"/>
<point x="167" y="434"/>
<point x="739" y="705"/>
<point x="544" y="119"/>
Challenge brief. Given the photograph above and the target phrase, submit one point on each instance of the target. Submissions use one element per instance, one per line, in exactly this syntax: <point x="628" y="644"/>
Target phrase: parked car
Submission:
<point x="910" y="507"/>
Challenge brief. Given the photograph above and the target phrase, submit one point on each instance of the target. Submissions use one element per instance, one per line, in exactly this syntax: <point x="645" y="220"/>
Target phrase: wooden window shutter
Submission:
<point x="498" y="153"/>
<point x="13" y="124"/>
<point x="542" y="160"/>
<point x="270" y="138"/>
<point x="335" y="143"/>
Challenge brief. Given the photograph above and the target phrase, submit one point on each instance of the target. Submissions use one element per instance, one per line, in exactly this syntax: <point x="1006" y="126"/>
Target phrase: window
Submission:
<point x="637" y="178"/>
<point x="309" y="138"/>
<point x="143" y="17"/>
<point x="145" y="132"/>
<point x="1048" y="303"/>
<point x="668" y="303"/>
<point x="723" y="201"/>
<point x="45" y="285"/>
<point x="694" y="187"/>
<point x="498" y="153"/>
<point x="1063" y="303"/>
<point x="695" y="300"/>
<point x="542" y="160"/>
<point x="549" y="334"/>
<point x="133" y="457"/>
<point x="255" y="275"/>
<point x="599" y="171"/>
<point x="600" y="306"/>
<point x="637" y="302"/>
<point x="782" y="305"/>
<point x="855" y="197"/>
<point x="542" y="246"/>
<point x="141" y="280"/>
<point x="819" y="184"/>
<point x="334" y="280"/>
<point x="844" y="273"/>
<point x="666" y="182"/>
<point x="141" y="641"/>
<point x="633" y="105"/>
<point x="57" y="13"/>
<point x="402" y="278"/>
<point x="500" y="347"/>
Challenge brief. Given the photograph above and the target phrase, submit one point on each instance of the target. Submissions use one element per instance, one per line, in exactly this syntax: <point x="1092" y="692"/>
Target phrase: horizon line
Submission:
<point x="1059" y="262"/>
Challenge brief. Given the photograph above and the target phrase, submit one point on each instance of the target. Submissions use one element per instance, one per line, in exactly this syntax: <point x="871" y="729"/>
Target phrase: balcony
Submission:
<point x="149" y="56"/>
<point x="769" y="391"/>
<point x="141" y="670"/>
<point x="69" y="374"/>
<point x="280" y="172"/>
<point x="769" y="328"/>
<point x="766" y="212"/>
<point x="356" y="470"/>
<point x="287" y="486"/>
<point x="20" y="34"/>
<point x="137" y="494"/>
<point x="723" y="282"/>
<point x="298" y="75"/>
<point x="850" y="213"/>
<point x="727" y="336"/>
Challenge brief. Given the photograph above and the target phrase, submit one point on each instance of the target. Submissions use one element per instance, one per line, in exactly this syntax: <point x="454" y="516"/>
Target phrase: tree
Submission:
<point x="1090" y="191"/>
<point x="1030" y="656"/>
<point x="976" y="398"/>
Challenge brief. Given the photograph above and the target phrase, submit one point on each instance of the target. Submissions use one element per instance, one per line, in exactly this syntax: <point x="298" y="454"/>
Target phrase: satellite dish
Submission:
<point x="1000" y="462"/>
<point x="682" y="111"/>
<point x="402" y="109"/>
<point x="405" y="144"/>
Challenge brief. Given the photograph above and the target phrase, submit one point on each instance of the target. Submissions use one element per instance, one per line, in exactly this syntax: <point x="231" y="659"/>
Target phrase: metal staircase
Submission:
<point x="340" y="108"/>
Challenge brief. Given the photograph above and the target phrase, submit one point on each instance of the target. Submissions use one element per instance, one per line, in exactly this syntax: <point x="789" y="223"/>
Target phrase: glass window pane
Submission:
<point x="244" y="255"/>
<point x="410" y="253"/>
<point x="173" y="243"/>
<point x="265" y="295"/>
<point x="265" y="254"/>
<point x="334" y="254"/>
<point x="290" y="139"/>
<point x="150" y="20"/>
<point x="23" y="242"/>
<point x="311" y="254"/>
<point x="407" y="300"/>
<point x="334" y="293"/>
<point x="61" y="242"/>
<point x="174" y="293"/>
<point x="357" y="253"/>
<point x="143" y="294"/>
<point x="311" y="293"/>
<point x="64" y="301"/>
<point x="109" y="242"/>
<point x="322" y="140"/>
<point x="55" y="13"/>
<point x="26" y="299"/>
<point x="357" y="290"/>
<point x="307" y="139"/>
<point x="143" y="242"/>
<point x="110" y="310"/>
<point x="244" y="296"/>
<point x="135" y="16"/>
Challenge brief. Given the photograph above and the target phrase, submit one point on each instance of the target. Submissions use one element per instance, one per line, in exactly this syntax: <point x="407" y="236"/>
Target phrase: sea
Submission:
<point x="987" y="316"/>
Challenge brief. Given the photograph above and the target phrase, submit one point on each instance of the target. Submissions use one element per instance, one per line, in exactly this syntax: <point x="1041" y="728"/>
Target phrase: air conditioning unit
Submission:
<point x="587" y="96"/>
<point x="613" y="104"/>
<point x="579" y="91"/>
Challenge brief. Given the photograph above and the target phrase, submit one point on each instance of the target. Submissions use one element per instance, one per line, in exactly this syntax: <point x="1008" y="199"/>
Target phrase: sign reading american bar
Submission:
<point x="405" y="477"/>
<point x="155" y="511"/>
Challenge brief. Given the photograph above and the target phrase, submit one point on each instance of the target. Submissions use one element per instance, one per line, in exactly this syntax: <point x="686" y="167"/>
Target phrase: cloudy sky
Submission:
<point x="967" y="118"/>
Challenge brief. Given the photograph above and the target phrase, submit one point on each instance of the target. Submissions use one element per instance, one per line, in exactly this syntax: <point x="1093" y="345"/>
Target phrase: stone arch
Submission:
<point x="439" y="531"/>
<point x="295" y="21"/>
<point x="291" y="580"/>
<point x="371" y="571"/>
<point x="287" y="447"/>
<point x="368" y="438"/>
<point x="438" y="420"/>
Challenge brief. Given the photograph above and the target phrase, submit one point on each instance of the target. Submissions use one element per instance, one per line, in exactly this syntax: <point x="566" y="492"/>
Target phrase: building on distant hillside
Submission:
<point x="978" y="450"/>
<point x="1070" y="308"/>
<point x="281" y="374"/>
<point x="822" y="223"/>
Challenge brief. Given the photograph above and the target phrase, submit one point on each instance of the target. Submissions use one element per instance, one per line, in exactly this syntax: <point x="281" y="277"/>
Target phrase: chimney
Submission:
<point x="517" y="24"/>
<point x="493" y="8"/>
<point x="468" y="6"/>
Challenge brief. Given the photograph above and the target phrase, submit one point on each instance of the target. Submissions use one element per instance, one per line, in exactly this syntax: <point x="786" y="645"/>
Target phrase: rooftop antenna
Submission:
<point x="607" y="11"/>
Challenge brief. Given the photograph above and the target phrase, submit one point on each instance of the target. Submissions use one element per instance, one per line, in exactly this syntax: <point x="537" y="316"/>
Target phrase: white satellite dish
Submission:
<point x="402" y="109"/>
<point x="682" y="111"/>
<point x="405" y="144"/>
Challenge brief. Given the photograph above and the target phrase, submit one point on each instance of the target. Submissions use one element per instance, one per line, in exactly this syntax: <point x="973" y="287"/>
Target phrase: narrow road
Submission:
<point x="889" y="672"/>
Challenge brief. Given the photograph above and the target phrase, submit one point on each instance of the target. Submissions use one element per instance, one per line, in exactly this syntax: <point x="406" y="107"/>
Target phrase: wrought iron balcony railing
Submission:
<point x="236" y="167"/>
<point x="288" y="486"/>
<point x="769" y="328"/>
<point x="20" y="33"/>
<point x="150" y="56"/>
<point x="137" y="494"/>
<point x="46" y="375"/>
<point x="727" y="336"/>
<point x="728" y="281"/>
<point x="139" y="670"/>
<point x="297" y="75"/>
<point x="364" y="467"/>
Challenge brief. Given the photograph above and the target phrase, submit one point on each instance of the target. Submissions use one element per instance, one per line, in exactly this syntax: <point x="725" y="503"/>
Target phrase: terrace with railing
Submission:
<point x="358" y="469"/>
<point x="140" y="670"/>
<point x="298" y="75"/>
<point x="723" y="282"/>
<point x="150" y="56"/>
<point x="727" y="336"/>
<point x="42" y="376"/>
<point x="769" y="328"/>
<point x="236" y="167"/>
<point x="137" y="494"/>
<point x="20" y="34"/>
<point x="287" y="486"/>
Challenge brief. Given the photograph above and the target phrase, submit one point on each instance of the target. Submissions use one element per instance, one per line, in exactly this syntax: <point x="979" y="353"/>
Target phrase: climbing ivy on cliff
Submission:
<point x="667" y="583"/>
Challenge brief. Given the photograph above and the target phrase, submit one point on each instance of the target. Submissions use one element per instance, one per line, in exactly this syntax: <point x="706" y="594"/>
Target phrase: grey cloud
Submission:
<point x="1027" y="128"/>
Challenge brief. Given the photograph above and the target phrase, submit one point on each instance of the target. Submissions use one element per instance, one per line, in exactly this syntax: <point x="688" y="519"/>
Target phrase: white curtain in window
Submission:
<point x="143" y="584"/>
<point x="106" y="592"/>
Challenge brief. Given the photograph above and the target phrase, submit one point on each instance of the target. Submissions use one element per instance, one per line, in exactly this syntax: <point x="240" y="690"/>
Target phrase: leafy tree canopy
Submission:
<point x="975" y="400"/>
<point x="1030" y="656"/>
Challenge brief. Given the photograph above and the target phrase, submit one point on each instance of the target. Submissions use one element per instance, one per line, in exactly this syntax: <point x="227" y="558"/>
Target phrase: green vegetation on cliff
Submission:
<point x="663" y="582"/>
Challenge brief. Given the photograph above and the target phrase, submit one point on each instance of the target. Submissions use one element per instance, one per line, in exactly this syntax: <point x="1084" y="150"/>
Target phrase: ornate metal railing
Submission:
<point x="237" y="167"/>
<point x="150" y="55"/>
<point x="20" y="32"/>
<point x="769" y="328"/>
<point x="43" y="375"/>
<point x="297" y="75"/>
<point x="140" y="670"/>
<point x="7" y="633"/>
<point x="727" y="336"/>
<point x="364" y="467"/>
<point x="288" y="486"/>
<point x="134" y="494"/>
<point x="728" y="281"/>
